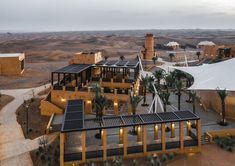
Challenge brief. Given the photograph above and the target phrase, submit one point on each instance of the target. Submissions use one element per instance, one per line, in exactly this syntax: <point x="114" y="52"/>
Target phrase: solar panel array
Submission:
<point x="73" y="69"/>
<point x="118" y="63"/>
<point x="74" y="118"/>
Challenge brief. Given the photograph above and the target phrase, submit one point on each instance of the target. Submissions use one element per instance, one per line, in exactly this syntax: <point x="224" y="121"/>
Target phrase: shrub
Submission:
<point x="48" y="158"/>
<point x="134" y="162"/>
<point x="37" y="153"/>
<point x="171" y="156"/>
<point x="229" y="149"/>
<point x="164" y="158"/>
<point x="40" y="149"/>
<point x="42" y="157"/>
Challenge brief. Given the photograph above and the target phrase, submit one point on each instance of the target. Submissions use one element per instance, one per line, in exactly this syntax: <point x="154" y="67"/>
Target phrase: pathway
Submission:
<point x="14" y="147"/>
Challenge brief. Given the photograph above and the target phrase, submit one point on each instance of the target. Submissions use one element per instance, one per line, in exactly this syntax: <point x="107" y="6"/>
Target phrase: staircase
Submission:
<point x="204" y="139"/>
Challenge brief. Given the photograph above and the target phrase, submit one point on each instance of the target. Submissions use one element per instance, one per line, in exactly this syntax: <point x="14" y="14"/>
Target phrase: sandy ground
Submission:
<point x="46" y="52"/>
<point x="211" y="155"/>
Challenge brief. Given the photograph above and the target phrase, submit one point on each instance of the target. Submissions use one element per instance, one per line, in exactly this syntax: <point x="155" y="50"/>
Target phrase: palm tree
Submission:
<point x="169" y="78"/>
<point x="154" y="59"/>
<point x="164" y="95"/>
<point x="159" y="74"/>
<point x="178" y="85"/>
<point x="122" y="58"/>
<point x="100" y="102"/>
<point x="198" y="54"/>
<point x="223" y="94"/>
<point x="193" y="96"/>
<point x="145" y="82"/>
<point x="171" y="55"/>
<point x="189" y="82"/>
<point x="134" y="100"/>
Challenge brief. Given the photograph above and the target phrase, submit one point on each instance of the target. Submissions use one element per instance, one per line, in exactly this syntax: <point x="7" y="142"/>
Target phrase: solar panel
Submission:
<point x="110" y="63"/>
<point x="168" y="116"/>
<point x="150" y="118"/>
<point x="130" y="119"/>
<point x="73" y="116"/>
<point x="121" y="63"/>
<point x="185" y="115"/>
<point x="73" y="69"/>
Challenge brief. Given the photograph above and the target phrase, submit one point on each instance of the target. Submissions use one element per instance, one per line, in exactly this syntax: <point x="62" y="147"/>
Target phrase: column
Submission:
<point x="115" y="106"/>
<point x="58" y="75"/>
<point x="163" y="137"/>
<point x="181" y="135"/>
<point x="52" y="78"/>
<point x="124" y="142"/>
<point x="104" y="143"/>
<point x="144" y="136"/>
<point x="121" y="136"/>
<point x="83" y="141"/>
<point x="129" y="111"/>
<point x="76" y="78"/>
<point x="199" y="133"/>
<point x="188" y="128"/>
<point x="138" y="133"/>
<point x="172" y="130"/>
<point x="62" y="141"/>
<point x="64" y="80"/>
<point x="155" y="132"/>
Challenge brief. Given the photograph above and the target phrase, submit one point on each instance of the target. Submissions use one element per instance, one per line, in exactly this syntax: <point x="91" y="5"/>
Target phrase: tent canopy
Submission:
<point x="219" y="75"/>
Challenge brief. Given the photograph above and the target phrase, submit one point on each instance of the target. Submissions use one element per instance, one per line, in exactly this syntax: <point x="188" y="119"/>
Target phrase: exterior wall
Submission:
<point x="149" y="46"/>
<point x="11" y="65"/>
<point x="211" y="100"/>
<point x="47" y="108"/>
<point x="86" y="58"/>
<point x="210" y="52"/>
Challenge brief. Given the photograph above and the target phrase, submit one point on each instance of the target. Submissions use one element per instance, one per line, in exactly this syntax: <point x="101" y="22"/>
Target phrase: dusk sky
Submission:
<point x="65" y="15"/>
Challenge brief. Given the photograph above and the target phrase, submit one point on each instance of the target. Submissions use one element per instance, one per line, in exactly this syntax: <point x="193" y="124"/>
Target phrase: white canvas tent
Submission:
<point x="212" y="76"/>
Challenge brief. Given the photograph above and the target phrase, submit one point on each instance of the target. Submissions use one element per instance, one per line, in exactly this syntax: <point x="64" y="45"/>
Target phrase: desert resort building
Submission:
<point x="71" y="100"/>
<point x="12" y="64"/>
<point x="71" y="97"/>
<point x="117" y="78"/>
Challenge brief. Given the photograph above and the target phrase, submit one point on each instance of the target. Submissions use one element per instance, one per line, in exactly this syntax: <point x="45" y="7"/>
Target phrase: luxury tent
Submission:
<point x="212" y="76"/>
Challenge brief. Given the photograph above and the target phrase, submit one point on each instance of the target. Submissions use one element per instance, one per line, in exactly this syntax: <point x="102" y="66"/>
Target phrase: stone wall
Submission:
<point x="211" y="100"/>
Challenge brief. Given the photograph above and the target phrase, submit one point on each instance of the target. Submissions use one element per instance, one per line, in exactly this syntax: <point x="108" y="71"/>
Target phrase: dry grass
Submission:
<point x="36" y="122"/>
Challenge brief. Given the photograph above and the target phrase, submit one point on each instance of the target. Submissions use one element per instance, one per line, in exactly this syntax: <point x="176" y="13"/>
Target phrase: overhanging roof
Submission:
<point x="212" y="76"/>
<point x="73" y="68"/>
<point x="118" y="63"/>
<point x="75" y="121"/>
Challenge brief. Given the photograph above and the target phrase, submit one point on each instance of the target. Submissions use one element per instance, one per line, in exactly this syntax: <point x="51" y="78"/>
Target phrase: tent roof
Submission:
<point x="208" y="43"/>
<point x="172" y="43"/>
<point x="212" y="76"/>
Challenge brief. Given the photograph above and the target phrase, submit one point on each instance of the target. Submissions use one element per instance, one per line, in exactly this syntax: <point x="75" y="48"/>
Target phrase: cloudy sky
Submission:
<point x="62" y="15"/>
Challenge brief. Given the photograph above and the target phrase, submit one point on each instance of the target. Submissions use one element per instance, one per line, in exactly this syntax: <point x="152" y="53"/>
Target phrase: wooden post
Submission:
<point x="104" y="143"/>
<point x="115" y="105"/>
<point x="124" y="142"/>
<point x="172" y="130"/>
<point x="62" y="141"/>
<point x="188" y="128"/>
<point x="181" y="135"/>
<point x="199" y="133"/>
<point x="83" y="141"/>
<point x="163" y="137"/>
<point x="138" y="133"/>
<point x="129" y="111"/>
<point x="144" y="132"/>
<point x="121" y="136"/>
<point x="155" y="132"/>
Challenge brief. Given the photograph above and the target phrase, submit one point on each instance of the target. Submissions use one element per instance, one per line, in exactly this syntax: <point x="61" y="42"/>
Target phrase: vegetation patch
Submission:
<point x="46" y="155"/>
<point x="34" y="122"/>
<point x="4" y="100"/>
<point x="226" y="143"/>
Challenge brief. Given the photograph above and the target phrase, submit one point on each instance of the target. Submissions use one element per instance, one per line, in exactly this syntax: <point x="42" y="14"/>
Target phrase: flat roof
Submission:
<point x="74" y="119"/>
<point x="118" y="63"/>
<point x="73" y="68"/>
<point x="10" y="55"/>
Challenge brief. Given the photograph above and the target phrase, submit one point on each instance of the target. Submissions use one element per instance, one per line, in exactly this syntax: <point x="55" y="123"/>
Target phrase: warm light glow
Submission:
<point x="188" y="123"/>
<point x="63" y="100"/>
<point x="139" y="129"/>
<point x="172" y="126"/>
<point x="88" y="101"/>
<point x="156" y="127"/>
<point x="121" y="131"/>
<point x="115" y="104"/>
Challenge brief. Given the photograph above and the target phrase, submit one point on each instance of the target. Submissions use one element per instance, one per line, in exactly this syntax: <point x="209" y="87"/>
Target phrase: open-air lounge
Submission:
<point x="78" y="142"/>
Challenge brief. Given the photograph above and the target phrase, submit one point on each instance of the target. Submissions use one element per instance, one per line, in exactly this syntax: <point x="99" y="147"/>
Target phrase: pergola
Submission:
<point x="74" y="121"/>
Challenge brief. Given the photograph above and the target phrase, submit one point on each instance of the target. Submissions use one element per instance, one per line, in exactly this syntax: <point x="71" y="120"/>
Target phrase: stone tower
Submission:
<point x="148" y="51"/>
